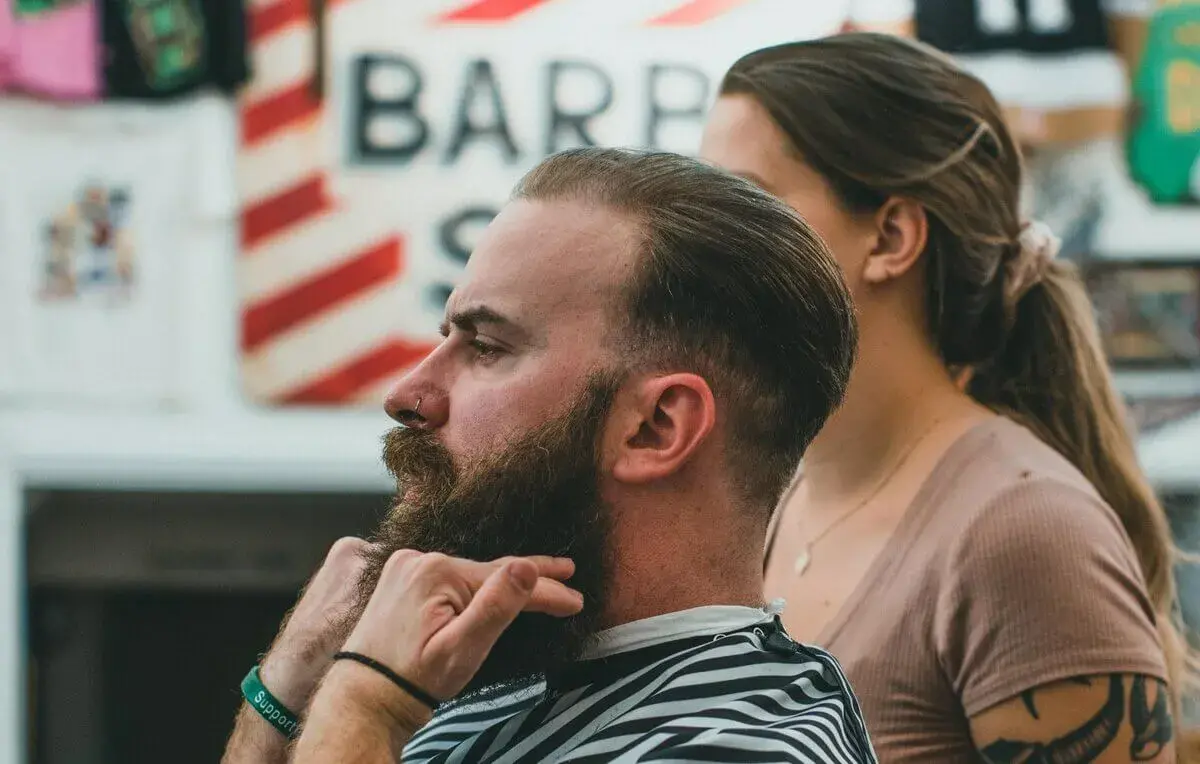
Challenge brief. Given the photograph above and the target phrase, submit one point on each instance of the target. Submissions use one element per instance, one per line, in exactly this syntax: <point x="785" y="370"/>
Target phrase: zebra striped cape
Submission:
<point x="749" y="695"/>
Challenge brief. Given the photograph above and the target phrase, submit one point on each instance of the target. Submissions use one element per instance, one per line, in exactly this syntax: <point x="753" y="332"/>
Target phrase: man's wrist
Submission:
<point x="373" y="695"/>
<point x="289" y="681"/>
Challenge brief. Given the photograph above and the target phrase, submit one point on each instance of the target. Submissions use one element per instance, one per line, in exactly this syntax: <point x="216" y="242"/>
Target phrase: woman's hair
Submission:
<point x="879" y="116"/>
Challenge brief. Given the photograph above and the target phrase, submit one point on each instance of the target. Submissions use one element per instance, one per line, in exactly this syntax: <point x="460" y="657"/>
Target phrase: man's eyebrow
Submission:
<point x="470" y="319"/>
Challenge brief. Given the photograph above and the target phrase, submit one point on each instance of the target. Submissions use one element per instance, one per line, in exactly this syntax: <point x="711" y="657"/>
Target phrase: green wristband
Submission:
<point x="268" y="706"/>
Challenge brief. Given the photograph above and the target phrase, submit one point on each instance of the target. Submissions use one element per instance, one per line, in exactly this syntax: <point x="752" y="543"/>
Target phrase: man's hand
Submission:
<point x="433" y="620"/>
<point x="311" y="633"/>
<point x="316" y="627"/>
<point x="323" y="618"/>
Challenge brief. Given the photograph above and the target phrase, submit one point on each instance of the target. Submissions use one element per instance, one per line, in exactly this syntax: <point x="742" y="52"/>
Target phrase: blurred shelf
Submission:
<point x="1171" y="455"/>
<point x="1159" y="383"/>
<point x="1134" y="229"/>
<point x="306" y="451"/>
<point x="242" y="451"/>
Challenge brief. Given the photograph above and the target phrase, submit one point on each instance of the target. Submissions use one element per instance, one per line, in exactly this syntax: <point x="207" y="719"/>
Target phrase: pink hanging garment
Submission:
<point x="8" y="41"/>
<point x="50" y="48"/>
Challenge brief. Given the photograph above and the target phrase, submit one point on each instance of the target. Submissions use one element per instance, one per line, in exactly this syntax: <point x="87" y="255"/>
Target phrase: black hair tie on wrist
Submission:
<point x="408" y="687"/>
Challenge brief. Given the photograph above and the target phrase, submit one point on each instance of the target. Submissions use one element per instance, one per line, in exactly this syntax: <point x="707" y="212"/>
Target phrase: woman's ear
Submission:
<point x="901" y="231"/>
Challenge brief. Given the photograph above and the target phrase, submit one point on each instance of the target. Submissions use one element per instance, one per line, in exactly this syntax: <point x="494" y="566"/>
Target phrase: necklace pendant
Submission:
<point x="802" y="561"/>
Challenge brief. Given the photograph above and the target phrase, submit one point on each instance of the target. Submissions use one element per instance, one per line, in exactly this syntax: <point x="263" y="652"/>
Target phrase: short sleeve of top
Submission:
<point x="1041" y="586"/>
<point x="883" y="11"/>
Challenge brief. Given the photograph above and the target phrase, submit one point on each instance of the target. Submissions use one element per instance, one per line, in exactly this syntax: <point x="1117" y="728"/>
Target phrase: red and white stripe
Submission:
<point x="314" y="281"/>
<point x="683" y="13"/>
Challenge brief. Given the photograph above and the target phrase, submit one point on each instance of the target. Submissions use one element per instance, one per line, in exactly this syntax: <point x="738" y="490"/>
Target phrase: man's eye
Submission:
<point x="484" y="350"/>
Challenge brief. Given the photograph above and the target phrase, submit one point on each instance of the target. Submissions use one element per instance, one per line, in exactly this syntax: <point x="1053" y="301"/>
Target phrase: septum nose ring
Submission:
<point x="417" y="410"/>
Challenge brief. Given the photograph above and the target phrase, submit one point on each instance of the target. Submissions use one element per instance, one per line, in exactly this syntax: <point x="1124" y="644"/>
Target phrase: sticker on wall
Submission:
<point x="88" y="249"/>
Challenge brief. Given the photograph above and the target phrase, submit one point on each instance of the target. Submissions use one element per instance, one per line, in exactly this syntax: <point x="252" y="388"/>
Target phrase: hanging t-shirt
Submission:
<point x="1036" y="54"/>
<point x="166" y="48"/>
<point x="50" y="48"/>
<point x="99" y="210"/>
<point x="1164" y="149"/>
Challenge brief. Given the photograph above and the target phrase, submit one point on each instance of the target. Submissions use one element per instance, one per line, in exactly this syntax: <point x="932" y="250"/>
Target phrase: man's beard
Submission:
<point x="540" y="495"/>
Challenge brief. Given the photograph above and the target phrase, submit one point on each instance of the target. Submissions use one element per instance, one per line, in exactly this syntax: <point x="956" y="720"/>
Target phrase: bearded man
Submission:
<point x="641" y="350"/>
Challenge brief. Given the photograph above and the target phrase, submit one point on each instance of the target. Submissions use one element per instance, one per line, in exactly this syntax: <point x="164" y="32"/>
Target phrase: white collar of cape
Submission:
<point x="696" y="622"/>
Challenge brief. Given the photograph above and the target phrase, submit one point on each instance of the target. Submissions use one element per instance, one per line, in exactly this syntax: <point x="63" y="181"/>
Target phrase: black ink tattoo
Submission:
<point x="1027" y="696"/>
<point x="1152" y="725"/>
<point x="1027" y="699"/>
<point x="1077" y="747"/>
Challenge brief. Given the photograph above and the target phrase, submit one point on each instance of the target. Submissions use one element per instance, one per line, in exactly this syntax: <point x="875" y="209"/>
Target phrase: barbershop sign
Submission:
<point x="362" y="206"/>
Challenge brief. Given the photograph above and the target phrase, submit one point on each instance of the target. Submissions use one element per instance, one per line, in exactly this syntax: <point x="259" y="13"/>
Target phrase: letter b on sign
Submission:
<point x="387" y="124"/>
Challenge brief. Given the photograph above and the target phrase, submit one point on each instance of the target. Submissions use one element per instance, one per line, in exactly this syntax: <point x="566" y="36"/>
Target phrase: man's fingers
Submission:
<point x="550" y="595"/>
<point x="475" y="631"/>
<point x="554" y="598"/>
<point x="560" y="568"/>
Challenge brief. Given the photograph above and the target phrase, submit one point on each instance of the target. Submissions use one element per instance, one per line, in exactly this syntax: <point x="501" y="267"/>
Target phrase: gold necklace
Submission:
<point x="804" y="559"/>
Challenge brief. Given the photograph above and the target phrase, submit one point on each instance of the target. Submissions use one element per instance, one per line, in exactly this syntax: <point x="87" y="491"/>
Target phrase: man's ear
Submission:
<point x="672" y="417"/>
<point x="902" y="229"/>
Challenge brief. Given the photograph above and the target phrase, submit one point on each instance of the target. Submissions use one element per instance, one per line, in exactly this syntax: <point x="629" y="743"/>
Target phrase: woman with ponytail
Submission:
<point x="971" y="534"/>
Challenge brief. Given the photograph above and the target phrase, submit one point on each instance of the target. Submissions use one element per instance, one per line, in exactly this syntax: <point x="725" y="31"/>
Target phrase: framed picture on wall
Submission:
<point x="1149" y="313"/>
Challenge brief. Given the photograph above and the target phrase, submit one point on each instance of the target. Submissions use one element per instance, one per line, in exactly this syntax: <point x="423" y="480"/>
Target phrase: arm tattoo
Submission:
<point x="1027" y="696"/>
<point x="1152" y="725"/>
<point x="1077" y="747"/>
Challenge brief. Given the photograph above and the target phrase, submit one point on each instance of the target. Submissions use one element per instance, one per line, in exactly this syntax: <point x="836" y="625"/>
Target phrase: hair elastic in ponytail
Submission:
<point x="1038" y="248"/>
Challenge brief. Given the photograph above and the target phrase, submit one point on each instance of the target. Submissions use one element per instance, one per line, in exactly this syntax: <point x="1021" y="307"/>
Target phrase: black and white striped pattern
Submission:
<point x="752" y="695"/>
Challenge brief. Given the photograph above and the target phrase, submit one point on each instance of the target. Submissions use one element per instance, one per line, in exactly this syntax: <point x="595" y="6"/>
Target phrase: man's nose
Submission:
<point x="417" y="405"/>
